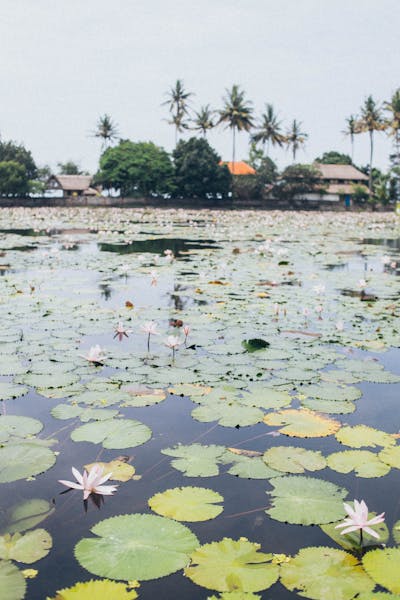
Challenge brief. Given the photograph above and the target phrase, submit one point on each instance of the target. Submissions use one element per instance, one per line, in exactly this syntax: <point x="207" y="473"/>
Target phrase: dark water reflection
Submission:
<point x="158" y="246"/>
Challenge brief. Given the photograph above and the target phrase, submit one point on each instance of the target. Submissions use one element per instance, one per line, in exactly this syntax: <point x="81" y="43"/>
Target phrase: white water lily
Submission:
<point x="91" y="483"/>
<point x="357" y="519"/>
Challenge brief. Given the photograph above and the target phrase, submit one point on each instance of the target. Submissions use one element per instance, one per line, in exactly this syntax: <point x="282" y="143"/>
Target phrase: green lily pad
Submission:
<point x="329" y="391"/>
<point x="396" y="532"/>
<point x="136" y="547"/>
<point x="322" y="573"/>
<point x="26" y="548"/>
<point x="333" y="407"/>
<point x="25" y="515"/>
<point x="363" y="462"/>
<point x="351" y="541"/>
<point x="231" y="565"/>
<point x="187" y="504"/>
<point x="391" y="456"/>
<point x="10" y="390"/>
<point x="228" y="414"/>
<point x="22" y="460"/>
<point x="362" y="435"/>
<point x="12" y="582"/>
<point x="290" y="459"/>
<point x="17" y="426"/>
<point x="382" y="565"/>
<point x="305" y="500"/>
<point x="235" y="596"/>
<point x="196" y="460"/>
<point x="113" y="433"/>
<point x="248" y="467"/>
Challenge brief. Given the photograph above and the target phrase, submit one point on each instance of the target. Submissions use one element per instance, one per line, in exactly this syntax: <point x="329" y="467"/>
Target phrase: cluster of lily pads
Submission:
<point x="292" y="316"/>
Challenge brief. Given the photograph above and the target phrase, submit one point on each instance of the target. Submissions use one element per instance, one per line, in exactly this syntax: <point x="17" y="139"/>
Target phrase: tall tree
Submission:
<point x="236" y="114"/>
<point x="69" y="168"/>
<point x="106" y="130"/>
<point x="393" y="121"/>
<point x="295" y="138"/>
<point x="178" y="105"/>
<point x="269" y="130"/>
<point x="371" y="120"/>
<point x="203" y="120"/>
<point x="351" y="130"/>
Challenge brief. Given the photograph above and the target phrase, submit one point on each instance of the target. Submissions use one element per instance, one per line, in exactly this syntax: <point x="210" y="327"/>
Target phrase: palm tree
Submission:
<point x="178" y="106"/>
<point x="393" y="122"/>
<point x="295" y="138"/>
<point x="351" y="130"/>
<point x="269" y="131"/>
<point x="106" y="130"/>
<point x="371" y="120"/>
<point x="237" y="114"/>
<point x="204" y="120"/>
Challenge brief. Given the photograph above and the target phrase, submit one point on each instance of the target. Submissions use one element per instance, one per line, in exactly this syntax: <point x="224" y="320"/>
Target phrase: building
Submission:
<point x="239" y="168"/>
<point x="337" y="183"/>
<point x="71" y="185"/>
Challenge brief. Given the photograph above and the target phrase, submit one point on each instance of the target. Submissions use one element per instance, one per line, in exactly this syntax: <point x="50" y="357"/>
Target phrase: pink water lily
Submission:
<point x="150" y="327"/>
<point x="358" y="519"/>
<point x="95" y="354"/>
<point x="173" y="342"/>
<point x="121" y="332"/>
<point x="91" y="483"/>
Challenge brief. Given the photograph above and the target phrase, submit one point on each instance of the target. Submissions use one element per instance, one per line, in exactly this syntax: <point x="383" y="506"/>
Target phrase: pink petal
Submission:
<point x="103" y="479"/>
<point x="86" y="494"/>
<point x="77" y="475"/>
<point x="371" y="532"/>
<point x="350" y="529"/>
<point x="105" y="490"/>
<point x="71" y="484"/>
<point x="378" y="519"/>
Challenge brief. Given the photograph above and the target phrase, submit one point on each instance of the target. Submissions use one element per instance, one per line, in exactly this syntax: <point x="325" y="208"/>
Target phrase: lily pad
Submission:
<point x="119" y="469"/>
<point x="362" y="435"/>
<point x="26" y="548"/>
<point x="305" y="500"/>
<point x="351" y="541"/>
<point x="22" y="460"/>
<point x="187" y="504"/>
<point x="391" y="456"/>
<point x="363" y="462"/>
<point x="136" y="547"/>
<point x="196" y="460"/>
<point x="231" y="565"/>
<point x="382" y="565"/>
<point x="100" y="589"/>
<point x="252" y="468"/>
<point x="290" y="459"/>
<point x="17" y="426"/>
<point x="12" y="582"/>
<point x="25" y="515"/>
<point x="301" y="423"/>
<point x="10" y="390"/>
<point x="113" y="433"/>
<point x="321" y="573"/>
<point x="228" y="414"/>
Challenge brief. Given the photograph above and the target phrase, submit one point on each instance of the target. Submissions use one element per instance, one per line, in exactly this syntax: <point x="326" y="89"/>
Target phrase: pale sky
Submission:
<point x="66" y="62"/>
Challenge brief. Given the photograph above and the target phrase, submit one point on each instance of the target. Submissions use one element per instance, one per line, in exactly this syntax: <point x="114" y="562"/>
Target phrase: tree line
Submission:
<point x="193" y="169"/>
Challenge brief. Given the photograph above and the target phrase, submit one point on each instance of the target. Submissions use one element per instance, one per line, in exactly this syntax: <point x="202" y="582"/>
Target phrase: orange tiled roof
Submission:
<point x="239" y="168"/>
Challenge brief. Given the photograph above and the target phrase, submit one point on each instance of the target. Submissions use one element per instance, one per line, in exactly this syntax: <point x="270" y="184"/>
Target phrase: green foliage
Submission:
<point x="296" y="181"/>
<point x="334" y="158"/>
<point x="198" y="173"/>
<point x="383" y="566"/>
<point x="14" y="180"/>
<point x="69" y="168"/>
<point x="12" y="582"/>
<point x="10" y="151"/>
<point x="136" y="168"/>
<point x="26" y="548"/>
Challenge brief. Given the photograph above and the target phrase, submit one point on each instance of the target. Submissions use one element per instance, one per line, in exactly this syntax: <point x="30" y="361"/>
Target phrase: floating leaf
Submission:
<point x="290" y="459"/>
<point x="121" y="470"/>
<point x="351" y="541"/>
<point x="18" y="461"/>
<point x="228" y="414"/>
<point x="305" y="500"/>
<point x="187" y="504"/>
<point x="196" y="460"/>
<point x="9" y="390"/>
<point x="396" y="532"/>
<point x="113" y="433"/>
<point x="264" y="397"/>
<point x="102" y="589"/>
<point x="235" y="596"/>
<point x="66" y="411"/>
<point x="12" y="582"/>
<point x="382" y="565"/>
<point x="333" y="407"/>
<point x="363" y="462"/>
<point x="302" y="423"/>
<point x="190" y="389"/>
<point x="329" y="391"/>
<point x="252" y="468"/>
<point x="231" y="565"/>
<point x="26" y="515"/>
<point x="27" y="548"/>
<point x="391" y="456"/>
<point x="136" y="547"/>
<point x="17" y="426"/>
<point x="322" y="573"/>
<point x="362" y="435"/>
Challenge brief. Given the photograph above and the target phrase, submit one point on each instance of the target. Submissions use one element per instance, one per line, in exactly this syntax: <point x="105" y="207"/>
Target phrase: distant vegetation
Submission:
<point x="193" y="170"/>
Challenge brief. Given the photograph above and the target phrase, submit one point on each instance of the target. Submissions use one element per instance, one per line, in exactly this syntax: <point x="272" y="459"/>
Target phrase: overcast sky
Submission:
<point x="66" y="62"/>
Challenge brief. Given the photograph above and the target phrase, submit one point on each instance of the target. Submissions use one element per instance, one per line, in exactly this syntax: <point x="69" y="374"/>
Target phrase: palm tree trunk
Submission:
<point x="233" y="151"/>
<point x="352" y="147"/>
<point x="371" y="138"/>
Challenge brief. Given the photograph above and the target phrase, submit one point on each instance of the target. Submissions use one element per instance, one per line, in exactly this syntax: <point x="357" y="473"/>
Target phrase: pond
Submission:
<point x="237" y="373"/>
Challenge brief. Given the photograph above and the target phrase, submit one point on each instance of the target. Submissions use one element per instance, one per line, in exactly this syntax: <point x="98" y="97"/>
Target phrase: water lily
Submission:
<point x="154" y="278"/>
<point x="121" y="332"/>
<point x="169" y="255"/>
<point x="173" y="342"/>
<point x="339" y="325"/>
<point x="95" y="354"/>
<point x="358" y="520"/>
<point x="362" y="284"/>
<point x="186" y="331"/>
<point x="150" y="327"/>
<point x="91" y="483"/>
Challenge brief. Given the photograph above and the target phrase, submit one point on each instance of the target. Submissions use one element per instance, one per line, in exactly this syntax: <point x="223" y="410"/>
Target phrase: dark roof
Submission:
<point x="340" y="172"/>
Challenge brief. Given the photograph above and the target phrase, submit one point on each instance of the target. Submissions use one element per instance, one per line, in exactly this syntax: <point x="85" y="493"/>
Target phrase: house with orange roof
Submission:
<point x="239" y="168"/>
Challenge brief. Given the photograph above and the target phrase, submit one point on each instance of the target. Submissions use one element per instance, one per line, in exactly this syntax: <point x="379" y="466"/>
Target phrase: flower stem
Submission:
<point x="148" y="343"/>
